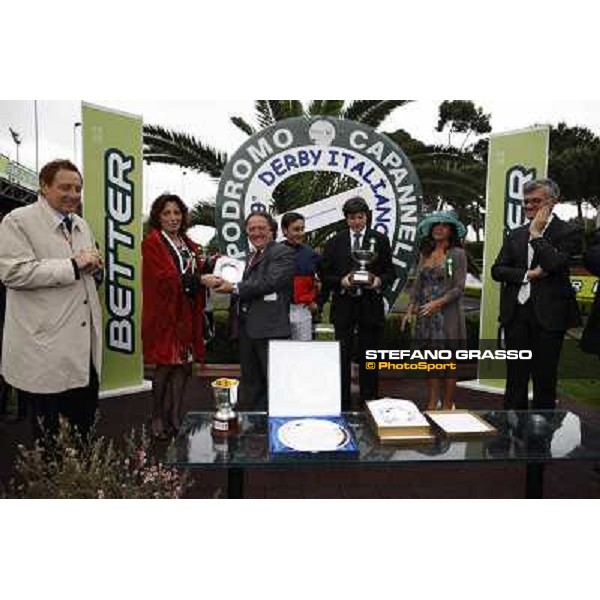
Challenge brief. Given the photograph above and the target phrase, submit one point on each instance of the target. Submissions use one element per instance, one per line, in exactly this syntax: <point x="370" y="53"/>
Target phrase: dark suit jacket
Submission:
<point x="590" y="339"/>
<point x="337" y="262"/>
<point x="265" y="293"/>
<point x="553" y="297"/>
<point x="592" y="256"/>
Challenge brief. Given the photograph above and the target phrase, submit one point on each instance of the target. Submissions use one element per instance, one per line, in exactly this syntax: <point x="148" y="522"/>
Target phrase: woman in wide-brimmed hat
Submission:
<point x="436" y="295"/>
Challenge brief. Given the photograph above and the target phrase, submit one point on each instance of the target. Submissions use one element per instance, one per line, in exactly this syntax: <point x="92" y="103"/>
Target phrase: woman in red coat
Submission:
<point x="173" y="313"/>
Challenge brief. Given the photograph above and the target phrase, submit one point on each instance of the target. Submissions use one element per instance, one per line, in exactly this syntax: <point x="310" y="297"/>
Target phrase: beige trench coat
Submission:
<point x="53" y="320"/>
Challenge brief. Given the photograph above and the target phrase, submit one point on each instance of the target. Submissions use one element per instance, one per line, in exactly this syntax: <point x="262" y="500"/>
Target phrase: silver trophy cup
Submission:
<point x="225" y="421"/>
<point x="364" y="258"/>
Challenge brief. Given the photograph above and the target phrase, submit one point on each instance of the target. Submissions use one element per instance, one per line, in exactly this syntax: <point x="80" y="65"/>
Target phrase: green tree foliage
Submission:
<point x="177" y="148"/>
<point x="575" y="165"/>
<point x="563" y="137"/>
<point x="449" y="177"/>
<point x="203" y="213"/>
<point x="462" y="116"/>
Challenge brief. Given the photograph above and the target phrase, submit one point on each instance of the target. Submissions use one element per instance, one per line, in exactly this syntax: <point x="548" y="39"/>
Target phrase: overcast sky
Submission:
<point x="210" y="122"/>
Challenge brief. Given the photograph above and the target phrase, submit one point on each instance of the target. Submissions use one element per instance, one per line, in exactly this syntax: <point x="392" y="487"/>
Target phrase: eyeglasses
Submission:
<point x="532" y="201"/>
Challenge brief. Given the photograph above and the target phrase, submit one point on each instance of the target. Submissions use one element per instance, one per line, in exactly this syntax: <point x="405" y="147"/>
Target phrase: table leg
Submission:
<point x="534" y="487"/>
<point x="235" y="483"/>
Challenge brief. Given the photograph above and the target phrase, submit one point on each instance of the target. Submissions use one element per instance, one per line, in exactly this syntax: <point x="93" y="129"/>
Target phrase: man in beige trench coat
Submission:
<point x="52" y="345"/>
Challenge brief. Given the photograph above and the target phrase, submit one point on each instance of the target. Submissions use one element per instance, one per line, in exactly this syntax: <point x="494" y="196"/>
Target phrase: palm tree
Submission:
<point x="170" y="147"/>
<point x="176" y="148"/>
<point x="449" y="176"/>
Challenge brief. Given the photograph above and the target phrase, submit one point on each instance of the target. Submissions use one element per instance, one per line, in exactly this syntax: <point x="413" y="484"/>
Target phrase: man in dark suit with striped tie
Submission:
<point x="263" y="305"/>
<point x="357" y="308"/>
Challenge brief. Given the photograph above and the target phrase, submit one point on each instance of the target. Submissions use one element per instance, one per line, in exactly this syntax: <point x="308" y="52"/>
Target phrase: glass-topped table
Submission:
<point x="533" y="439"/>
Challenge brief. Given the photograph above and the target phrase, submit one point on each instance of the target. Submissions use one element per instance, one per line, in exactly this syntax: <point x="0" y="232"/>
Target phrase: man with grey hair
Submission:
<point x="537" y="301"/>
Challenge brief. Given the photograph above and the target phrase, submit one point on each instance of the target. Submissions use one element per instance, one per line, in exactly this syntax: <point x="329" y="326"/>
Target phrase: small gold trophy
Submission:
<point x="225" y="421"/>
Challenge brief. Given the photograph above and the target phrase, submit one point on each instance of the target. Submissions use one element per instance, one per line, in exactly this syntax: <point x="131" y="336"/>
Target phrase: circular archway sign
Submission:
<point x="384" y="176"/>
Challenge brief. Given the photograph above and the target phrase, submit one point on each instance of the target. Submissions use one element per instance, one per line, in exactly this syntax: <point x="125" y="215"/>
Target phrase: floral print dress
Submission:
<point x="446" y="329"/>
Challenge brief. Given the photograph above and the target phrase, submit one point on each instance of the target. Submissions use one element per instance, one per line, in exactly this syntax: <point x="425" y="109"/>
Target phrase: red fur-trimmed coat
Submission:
<point x="170" y="320"/>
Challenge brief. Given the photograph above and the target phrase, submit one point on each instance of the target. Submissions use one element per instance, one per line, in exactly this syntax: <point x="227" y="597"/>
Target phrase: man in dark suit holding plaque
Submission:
<point x="537" y="301"/>
<point x="263" y="304"/>
<point x="357" y="305"/>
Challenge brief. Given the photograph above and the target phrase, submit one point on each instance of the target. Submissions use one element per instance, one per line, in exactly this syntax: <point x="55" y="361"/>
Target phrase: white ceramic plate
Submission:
<point x="313" y="435"/>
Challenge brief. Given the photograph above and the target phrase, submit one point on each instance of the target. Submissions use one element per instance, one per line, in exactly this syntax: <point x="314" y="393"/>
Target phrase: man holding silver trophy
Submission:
<point x="357" y="305"/>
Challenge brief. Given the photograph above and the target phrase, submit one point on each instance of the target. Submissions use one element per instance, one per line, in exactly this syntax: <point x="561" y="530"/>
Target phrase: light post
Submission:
<point x="75" y="127"/>
<point x="146" y="177"/>
<point x="16" y="139"/>
<point x="37" y="137"/>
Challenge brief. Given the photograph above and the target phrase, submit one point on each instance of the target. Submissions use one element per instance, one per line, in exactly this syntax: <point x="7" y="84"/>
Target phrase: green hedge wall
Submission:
<point x="221" y="350"/>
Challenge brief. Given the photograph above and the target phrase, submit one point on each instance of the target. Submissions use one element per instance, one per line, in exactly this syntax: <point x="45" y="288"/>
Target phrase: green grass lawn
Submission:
<point x="579" y="374"/>
<point x="586" y="391"/>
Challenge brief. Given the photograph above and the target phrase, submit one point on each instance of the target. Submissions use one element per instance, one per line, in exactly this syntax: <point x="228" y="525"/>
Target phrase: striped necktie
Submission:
<point x="254" y="259"/>
<point x="68" y="223"/>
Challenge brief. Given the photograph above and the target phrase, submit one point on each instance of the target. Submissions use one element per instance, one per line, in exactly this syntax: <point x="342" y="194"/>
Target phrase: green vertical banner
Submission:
<point x="112" y="175"/>
<point x="514" y="158"/>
